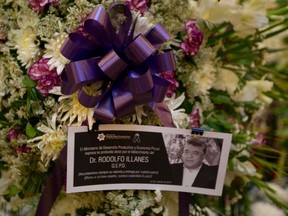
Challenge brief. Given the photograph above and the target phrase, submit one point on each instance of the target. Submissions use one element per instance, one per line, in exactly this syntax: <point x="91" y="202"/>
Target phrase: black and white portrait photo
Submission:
<point x="194" y="170"/>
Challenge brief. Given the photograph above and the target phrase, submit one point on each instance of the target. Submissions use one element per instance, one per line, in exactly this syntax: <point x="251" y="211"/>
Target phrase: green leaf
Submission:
<point x="222" y="99"/>
<point x="285" y="144"/>
<point x="28" y="105"/>
<point x="28" y="82"/>
<point x="18" y="103"/>
<point x="33" y="94"/>
<point x="30" y="131"/>
<point x="13" y="190"/>
<point x="243" y="158"/>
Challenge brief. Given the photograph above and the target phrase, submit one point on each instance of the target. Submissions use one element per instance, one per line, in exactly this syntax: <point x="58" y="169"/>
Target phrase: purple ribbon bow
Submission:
<point x="127" y="68"/>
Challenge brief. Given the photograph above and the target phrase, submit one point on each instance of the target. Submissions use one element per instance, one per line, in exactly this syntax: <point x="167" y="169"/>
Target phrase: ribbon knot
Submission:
<point x="111" y="70"/>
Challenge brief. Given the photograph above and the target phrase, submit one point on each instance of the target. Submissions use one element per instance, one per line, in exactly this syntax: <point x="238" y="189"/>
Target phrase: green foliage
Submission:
<point x="28" y="82"/>
<point x="30" y="130"/>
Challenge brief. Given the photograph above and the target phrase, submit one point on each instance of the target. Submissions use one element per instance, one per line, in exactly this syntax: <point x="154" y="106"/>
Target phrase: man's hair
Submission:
<point x="219" y="143"/>
<point x="197" y="142"/>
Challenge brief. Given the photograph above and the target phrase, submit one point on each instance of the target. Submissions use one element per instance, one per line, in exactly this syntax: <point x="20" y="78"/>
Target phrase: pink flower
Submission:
<point x="39" y="69"/>
<point x="46" y="79"/>
<point x="138" y="5"/>
<point x="193" y="39"/>
<point x="39" y="5"/>
<point x="169" y="75"/>
<point x="2" y="38"/>
<point x="22" y="149"/>
<point x="259" y="140"/>
<point x="195" y="118"/>
<point x="12" y="134"/>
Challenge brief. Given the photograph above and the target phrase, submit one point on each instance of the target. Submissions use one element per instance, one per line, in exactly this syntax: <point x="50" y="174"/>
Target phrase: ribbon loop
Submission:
<point x="115" y="9"/>
<point x="123" y="102"/>
<point x="99" y="26"/>
<point x="68" y="88"/>
<point x="160" y="89"/>
<point x="162" y="62"/>
<point x="83" y="71"/>
<point x="112" y="65"/>
<point x="157" y="36"/>
<point x="104" y="110"/>
<point x="86" y="99"/>
<point x="77" y="47"/>
<point x="139" y="50"/>
<point x="138" y="82"/>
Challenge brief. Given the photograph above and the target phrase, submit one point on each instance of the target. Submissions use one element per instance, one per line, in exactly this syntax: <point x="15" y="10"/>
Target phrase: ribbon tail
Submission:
<point x="183" y="203"/>
<point x="163" y="113"/>
<point x="53" y="186"/>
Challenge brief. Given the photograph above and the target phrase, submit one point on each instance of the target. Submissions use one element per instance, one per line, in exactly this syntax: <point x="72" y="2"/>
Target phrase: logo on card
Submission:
<point x="101" y="137"/>
<point x="136" y="138"/>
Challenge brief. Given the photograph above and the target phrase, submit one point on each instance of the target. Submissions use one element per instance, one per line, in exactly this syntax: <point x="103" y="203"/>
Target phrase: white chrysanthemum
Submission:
<point x="74" y="112"/>
<point x="180" y="118"/>
<point x="57" y="60"/>
<point x="27" y="49"/>
<point x="226" y="80"/>
<point x="252" y="90"/>
<point x="266" y="209"/>
<point x="52" y="142"/>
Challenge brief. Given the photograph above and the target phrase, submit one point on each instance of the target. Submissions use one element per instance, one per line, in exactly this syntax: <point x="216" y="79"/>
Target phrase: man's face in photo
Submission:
<point x="192" y="156"/>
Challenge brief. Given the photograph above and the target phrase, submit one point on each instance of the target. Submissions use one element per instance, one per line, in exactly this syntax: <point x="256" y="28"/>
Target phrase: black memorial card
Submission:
<point x="123" y="157"/>
<point x="109" y="157"/>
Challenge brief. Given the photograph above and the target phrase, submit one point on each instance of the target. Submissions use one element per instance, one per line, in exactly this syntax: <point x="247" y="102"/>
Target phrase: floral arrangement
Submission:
<point x="230" y="76"/>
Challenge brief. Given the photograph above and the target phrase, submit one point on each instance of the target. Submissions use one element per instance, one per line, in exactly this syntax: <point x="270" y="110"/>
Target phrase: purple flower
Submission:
<point x="138" y="5"/>
<point x="169" y="75"/>
<point x="193" y="38"/>
<point x="39" y="5"/>
<point x="195" y="118"/>
<point x="46" y="79"/>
